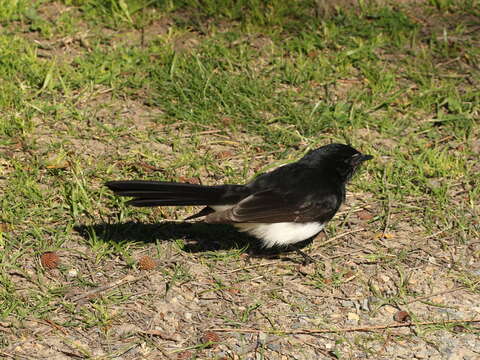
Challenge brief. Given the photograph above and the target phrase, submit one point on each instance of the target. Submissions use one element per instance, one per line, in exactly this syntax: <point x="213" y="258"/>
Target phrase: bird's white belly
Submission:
<point x="271" y="234"/>
<point x="283" y="233"/>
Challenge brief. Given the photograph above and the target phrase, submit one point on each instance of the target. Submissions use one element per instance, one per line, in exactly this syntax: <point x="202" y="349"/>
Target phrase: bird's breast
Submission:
<point x="281" y="234"/>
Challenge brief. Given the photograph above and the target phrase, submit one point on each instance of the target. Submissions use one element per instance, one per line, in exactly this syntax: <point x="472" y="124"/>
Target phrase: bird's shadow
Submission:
<point x="194" y="237"/>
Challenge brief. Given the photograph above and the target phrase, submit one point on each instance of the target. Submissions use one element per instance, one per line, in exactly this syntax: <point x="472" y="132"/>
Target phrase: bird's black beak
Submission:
<point x="357" y="159"/>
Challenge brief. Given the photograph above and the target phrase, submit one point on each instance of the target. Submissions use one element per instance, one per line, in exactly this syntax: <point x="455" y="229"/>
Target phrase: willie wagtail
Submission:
<point x="282" y="207"/>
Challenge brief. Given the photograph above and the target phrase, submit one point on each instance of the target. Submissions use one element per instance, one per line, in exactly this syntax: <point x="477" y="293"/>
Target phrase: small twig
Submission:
<point x="257" y="345"/>
<point x="346" y="254"/>
<point x="16" y="356"/>
<point x="266" y="317"/>
<point x="324" y="352"/>
<point x="127" y="279"/>
<point x="150" y="167"/>
<point x="251" y="267"/>
<point x="336" y="237"/>
<point x="446" y="63"/>
<point x="205" y="132"/>
<point x="352" y="210"/>
<point x="70" y="354"/>
<point x="387" y="220"/>
<point x="158" y="333"/>
<point x="7" y="355"/>
<point x="421" y="298"/>
<point x="350" y="329"/>
<point x="438" y="233"/>
<point x="439" y="293"/>
<point x="125" y="350"/>
<point x="52" y="324"/>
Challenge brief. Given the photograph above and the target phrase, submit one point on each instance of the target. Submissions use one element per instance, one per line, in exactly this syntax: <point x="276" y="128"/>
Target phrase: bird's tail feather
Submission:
<point x="160" y="193"/>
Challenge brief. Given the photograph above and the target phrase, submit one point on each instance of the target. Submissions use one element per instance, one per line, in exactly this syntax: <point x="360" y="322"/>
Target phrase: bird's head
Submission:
<point x="343" y="159"/>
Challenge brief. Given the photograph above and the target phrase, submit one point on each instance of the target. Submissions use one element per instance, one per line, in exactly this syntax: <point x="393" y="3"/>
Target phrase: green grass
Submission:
<point x="217" y="91"/>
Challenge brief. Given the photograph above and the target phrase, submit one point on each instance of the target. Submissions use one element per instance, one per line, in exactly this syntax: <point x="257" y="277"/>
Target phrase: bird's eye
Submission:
<point x="352" y="158"/>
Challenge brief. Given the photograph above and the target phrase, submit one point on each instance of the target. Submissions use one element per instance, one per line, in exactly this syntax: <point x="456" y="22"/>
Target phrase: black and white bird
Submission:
<point x="281" y="208"/>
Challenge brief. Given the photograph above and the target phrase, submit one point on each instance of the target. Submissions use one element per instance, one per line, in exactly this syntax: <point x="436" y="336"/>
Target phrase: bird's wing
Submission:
<point x="271" y="207"/>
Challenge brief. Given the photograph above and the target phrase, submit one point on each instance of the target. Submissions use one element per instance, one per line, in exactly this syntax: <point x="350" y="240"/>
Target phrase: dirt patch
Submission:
<point x="51" y="11"/>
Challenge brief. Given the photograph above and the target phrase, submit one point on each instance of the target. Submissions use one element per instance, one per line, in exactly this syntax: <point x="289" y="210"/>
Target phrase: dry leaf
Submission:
<point x="224" y="154"/>
<point x="4" y="227"/>
<point x="365" y="215"/>
<point x="384" y="236"/>
<point x="57" y="161"/>
<point x="188" y="180"/>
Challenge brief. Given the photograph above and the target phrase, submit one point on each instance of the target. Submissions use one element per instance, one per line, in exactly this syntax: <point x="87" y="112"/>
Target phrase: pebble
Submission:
<point x="238" y="349"/>
<point x="125" y="329"/>
<point x="72" y="273"/>
<point x="262" y="338"/>
<point x="364" y="305"/>
<point x="353" y="317"/>
<point x="221" y="354"/>
<point x="372" y="300"/>
<point x="452" y="314"/>
<point x="274" y="347"/>
<point x="329" y="346"/>
<point x="347" y="303"/>
<point x="434" y="183"/>
<point x="474" y="344"/>
<point x="423" y="353"/>
<point x="476" y="272"/>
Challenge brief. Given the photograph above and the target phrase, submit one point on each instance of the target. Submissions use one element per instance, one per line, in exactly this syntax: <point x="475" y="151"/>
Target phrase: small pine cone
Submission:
<point x="146" y="263"/>
<point x="402" y="317"/>
<point x="210" y="337"/>
<point x="185" y="355"/>
<point x="49" y="260"/>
